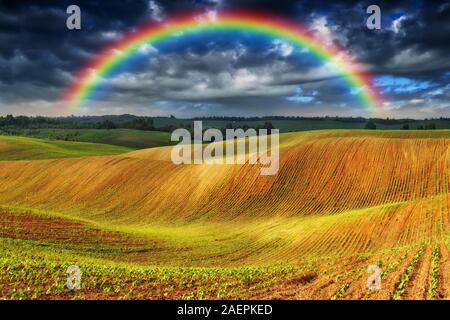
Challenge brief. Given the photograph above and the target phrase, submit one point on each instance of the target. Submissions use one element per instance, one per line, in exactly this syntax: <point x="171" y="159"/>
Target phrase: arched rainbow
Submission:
<point x="102" y="64"/>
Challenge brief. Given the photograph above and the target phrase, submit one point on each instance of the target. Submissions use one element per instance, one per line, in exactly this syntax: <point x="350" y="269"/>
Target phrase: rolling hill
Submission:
<point x="133" y="139"/>
<point x="342" y="200"/>
<point x="23" y="148"/>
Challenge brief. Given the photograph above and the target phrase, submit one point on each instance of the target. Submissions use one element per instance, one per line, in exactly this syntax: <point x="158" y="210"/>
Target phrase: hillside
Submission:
<point x="23" y="148"/>
<point x="134" y="139"/>
<point x="342" y="199"/>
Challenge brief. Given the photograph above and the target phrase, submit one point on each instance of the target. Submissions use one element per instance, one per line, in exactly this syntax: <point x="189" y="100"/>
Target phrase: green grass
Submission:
<point x="134" y="139"/>
<point x="33" y="269"/>
<point x="341" y="291"/>
<point x="24" y="148"/>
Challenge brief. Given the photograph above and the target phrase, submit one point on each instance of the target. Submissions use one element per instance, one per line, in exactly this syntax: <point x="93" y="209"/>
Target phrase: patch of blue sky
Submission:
<point x="393" y="84"/>
<point x="395" y="15"/>
<point x="300" y="97"/>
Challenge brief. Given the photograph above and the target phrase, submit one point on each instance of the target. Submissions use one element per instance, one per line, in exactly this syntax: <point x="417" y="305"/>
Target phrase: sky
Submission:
<point x="227" y="74"/>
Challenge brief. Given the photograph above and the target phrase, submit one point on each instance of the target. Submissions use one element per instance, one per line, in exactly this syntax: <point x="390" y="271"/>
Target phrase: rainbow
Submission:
<point x="102" y="64"/>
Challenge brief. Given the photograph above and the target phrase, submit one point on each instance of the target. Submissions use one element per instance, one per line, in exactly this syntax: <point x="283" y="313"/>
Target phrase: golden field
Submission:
<point x="141" y="227"/>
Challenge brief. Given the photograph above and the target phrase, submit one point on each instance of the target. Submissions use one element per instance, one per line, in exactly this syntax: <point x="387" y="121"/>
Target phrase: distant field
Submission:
<point x="288" y="125"/>
<point x="23" y="148"/>
<point x="139" y="139"/>
<point x="141" y="227"/>
<point x="134" y="139"/>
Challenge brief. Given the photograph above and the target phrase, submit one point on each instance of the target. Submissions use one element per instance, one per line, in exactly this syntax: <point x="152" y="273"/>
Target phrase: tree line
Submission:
<point x="428" y="126"/>
<point x="168" y="124"/>
<point x="11" y="123"/>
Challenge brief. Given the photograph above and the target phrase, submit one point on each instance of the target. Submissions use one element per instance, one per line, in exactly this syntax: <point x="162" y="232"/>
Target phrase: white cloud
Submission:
<point x="283" y="48"/>
<point x="110" y="35"/>
<point x="147" y="48"/>
<point x="435" y="92"/>
<point x="324" y="71"/>
<point x="208" y="16"/>
<point x="408" y="58"/>
<point x="416" y="101"/>
<point x="320" y="27"/>
<point x="243" y="78"/>
<point x="156" y="10"/>
<point x="326" y="32"/>
<point x="397" y="24"/>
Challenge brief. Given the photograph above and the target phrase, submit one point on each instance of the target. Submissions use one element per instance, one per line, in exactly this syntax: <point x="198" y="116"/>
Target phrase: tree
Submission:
<point x="268" y="125"/>
<point x="370" y="125"/>
<point x="107" y="124"/>
<point x="420" y="127"/>
<point x="430" y="126"/>
<point x="142" y="124"/>
<point x="9" y="121"/>
<point x="405" y="126"/>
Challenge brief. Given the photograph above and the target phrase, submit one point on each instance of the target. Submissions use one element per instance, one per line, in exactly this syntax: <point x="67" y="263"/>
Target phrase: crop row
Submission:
<point x="401" y="287"/>
<point x="434" y="273"/>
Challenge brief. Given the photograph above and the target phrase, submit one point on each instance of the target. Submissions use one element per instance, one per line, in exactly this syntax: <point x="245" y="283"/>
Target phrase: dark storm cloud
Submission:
<point x="38" y="57"/>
